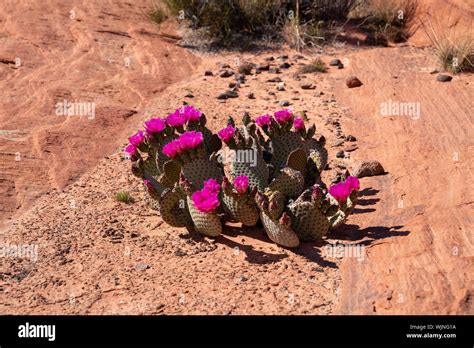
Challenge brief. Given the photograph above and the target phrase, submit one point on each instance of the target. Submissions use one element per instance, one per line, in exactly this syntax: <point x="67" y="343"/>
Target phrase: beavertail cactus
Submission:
<point x="273" y="175"/>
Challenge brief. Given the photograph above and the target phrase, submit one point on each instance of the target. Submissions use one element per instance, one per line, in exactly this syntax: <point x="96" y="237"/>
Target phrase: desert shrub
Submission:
<point x="262" y="16"/>
<point x="300" y="36"/>
<point x="287" y="18"/>
<point x="220" y="17"/>
<point x="455" y="53"/>
<point x="326" y="9"/>
<point x="394" y="20"/>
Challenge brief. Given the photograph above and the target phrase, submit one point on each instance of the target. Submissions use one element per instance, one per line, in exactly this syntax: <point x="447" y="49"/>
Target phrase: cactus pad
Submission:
<point x="208" y="224"/>
<point x="279" y="233"/>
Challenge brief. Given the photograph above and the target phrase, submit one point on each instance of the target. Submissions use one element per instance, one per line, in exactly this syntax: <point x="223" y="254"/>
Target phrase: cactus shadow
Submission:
<point x="369" y="201"/>
<point x="363" y="211"/>
<point x="368" y="191"/>
<point x="368" y="235"/>
<point x="251" y="254"/>
<point x="311" y="251"/>
<point x="363" y="202"/>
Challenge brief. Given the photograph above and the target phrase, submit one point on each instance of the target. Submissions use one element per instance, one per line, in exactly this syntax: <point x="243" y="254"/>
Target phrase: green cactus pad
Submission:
<point x="257" y="174"/>
<point x="149" y="166"/>
<point x="201" y="169"/>
<point x="153" y="197"/>
<point x="317" y="152"/>
<point x="171" y="171"/>
<point x="208" y="224"/>
<point x="278" y="233"/>
<point x="290" y="182"/>
<point x="174" y="209"/>
<point x="240" y="208"/>
<point x="282" y="146"/>
<point x="297" y="160"/>
<point x="308" y="221"/>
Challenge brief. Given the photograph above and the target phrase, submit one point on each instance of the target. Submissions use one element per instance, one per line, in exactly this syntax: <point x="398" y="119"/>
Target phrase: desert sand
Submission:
<point x="100" y="256"/>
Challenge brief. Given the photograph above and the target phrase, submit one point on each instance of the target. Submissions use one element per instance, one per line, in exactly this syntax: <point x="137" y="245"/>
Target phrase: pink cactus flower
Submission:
<point x="172" y="149"/>
<point x="340" y="191"/>
<point x="226" y="133"/>
<point x="176" y="119"/>
<point x="205" y="201"/>
<point x="283" y="116"/>
<point x="241" y="184"/>
<point x="263" y="120"/>
<point x="130" y="149"/>
<point x="154" y="125"/>
<point x="137" y="138"/>
<point x="353" y="182"/>
<point x="190" y="113"/>
<point x="212" y="185"/>
<point x="190" y="140"/>
<point x="298" y="123"/>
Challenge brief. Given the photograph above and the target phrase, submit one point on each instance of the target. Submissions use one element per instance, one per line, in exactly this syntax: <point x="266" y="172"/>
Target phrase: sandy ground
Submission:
<point x="107" y="53"/>
<point x="99" y="256"/>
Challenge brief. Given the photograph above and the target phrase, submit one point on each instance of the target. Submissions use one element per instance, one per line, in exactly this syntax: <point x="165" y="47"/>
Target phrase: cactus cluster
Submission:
<point x="269" y="171"/>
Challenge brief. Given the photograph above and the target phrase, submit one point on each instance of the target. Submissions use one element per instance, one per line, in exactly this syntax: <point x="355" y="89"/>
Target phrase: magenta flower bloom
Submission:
<point x="241" y="184"/>
<point x="176" y="119"/>
<point x="190" y="140"/>
<point x="212" y="185"/>
<point x="172" y="149"/>
<point x="353" y="182"/>
<point x="137" y="138"/>
<point x="226" y="133"/>
<point x="148" y="184"/>
<point x="283" y="116"/>
<point x="130" y="149"/>
<point x="263" y="120"/>
<point x="205" y="201"/>
<point x="154" y="125"/>
<point x="190" y="113"/>
<point x="298" y="123"/>
<point x="340" y="191"/>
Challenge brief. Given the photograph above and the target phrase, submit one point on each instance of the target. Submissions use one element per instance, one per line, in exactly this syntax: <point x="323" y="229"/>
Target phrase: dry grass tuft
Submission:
<point x="123" y="196"/>
<point x="455" y="52"/>
<point x="316" y="66"/>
